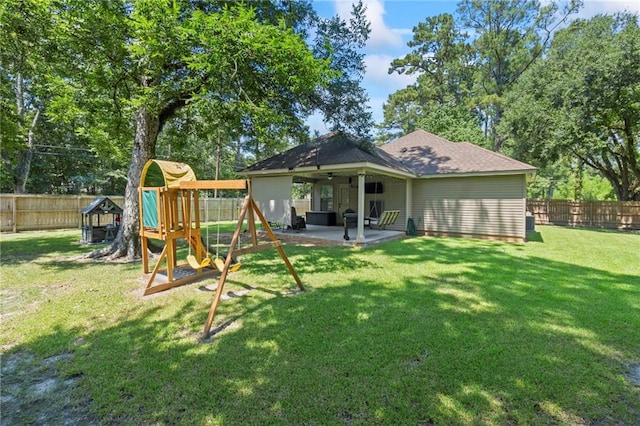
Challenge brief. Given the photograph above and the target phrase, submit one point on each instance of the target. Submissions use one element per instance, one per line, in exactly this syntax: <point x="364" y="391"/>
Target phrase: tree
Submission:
<point x="44" y="132"/>
<point x="22" y="87"/>
<point x="440" y="59"/>
<point x="453" y="122"/>
<point x="344" y="101"/>
<point x="474" y="58"/>
<point x="509" y="37"/>
<point x="583" y="101"/>
<point x="120" y="72"/>
<point x="156" y="58"/>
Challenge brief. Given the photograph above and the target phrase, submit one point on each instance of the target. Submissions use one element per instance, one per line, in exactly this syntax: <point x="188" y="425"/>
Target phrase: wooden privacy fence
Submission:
<point x="595" y="214"/>
<point x="44" y="212"/>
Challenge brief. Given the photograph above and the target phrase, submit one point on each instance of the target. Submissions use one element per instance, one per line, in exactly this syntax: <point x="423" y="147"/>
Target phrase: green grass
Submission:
<point x="417" y="331"/>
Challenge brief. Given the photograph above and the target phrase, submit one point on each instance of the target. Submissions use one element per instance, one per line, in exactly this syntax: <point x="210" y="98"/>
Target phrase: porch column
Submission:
<point x="408" y="202"/>
<point x="360" y="234"/>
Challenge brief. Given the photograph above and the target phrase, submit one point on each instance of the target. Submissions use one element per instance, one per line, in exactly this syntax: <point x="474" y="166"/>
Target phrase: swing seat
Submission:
<point x="388" y="217"/>
<point x="219" y="263"/>
<point x="193" y="262"/>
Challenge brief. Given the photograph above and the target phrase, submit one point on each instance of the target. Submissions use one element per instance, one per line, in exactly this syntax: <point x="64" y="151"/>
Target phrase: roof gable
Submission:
<point x="428" y="154"/>
<point x="331" y="149"/>
<point x="101" y="205"/>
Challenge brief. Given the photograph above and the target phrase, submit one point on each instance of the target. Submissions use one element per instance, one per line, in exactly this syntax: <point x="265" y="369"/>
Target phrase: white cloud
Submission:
<point x="381" y="35"/>
<point x="378" y="76"/>
<point x="595" y="7"/>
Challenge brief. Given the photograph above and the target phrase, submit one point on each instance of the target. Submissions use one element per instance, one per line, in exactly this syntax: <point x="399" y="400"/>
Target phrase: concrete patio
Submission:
<point x="334" y="235"/>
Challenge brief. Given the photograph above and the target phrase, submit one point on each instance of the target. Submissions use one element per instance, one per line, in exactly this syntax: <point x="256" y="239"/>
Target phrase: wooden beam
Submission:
<point x="272" y="236"/>
<point x="257" y="248"/>
<point x="214" y="184"/>
<point x="225" y="270"/>
<point x="156" y="288"/>
<point x="249" y="207"/>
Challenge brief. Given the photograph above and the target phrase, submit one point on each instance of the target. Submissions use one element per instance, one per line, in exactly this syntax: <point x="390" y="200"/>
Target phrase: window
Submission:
<point x="375" y="208"/>
<point x="326" y="198"/>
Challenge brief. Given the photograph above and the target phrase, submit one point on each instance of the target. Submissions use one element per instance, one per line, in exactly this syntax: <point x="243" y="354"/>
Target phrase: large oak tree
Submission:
<point x="583" y="102"/>
<point x="156" y="58"/>
<point x="122" y="71"/>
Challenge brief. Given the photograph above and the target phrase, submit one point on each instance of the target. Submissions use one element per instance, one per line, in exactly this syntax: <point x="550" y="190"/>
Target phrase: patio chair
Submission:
<point x="297" y="222"/>
<point x="388" y="217"/>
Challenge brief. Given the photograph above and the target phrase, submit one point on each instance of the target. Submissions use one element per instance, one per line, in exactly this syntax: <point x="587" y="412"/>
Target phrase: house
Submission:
<point x="447" y="188"/>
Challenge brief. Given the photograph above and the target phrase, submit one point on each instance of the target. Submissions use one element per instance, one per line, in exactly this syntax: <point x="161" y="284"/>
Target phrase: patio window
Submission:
<point x="326" y="198"/>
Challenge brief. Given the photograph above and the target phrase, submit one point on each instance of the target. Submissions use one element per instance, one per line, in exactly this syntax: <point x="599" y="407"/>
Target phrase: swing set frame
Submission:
<point x="172" y="212"/>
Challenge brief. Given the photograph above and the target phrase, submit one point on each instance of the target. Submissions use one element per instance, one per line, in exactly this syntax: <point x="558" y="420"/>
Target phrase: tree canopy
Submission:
<point x="472" y="60"/>
<point x="582" y="101"/>
<point x="120" y="72"/>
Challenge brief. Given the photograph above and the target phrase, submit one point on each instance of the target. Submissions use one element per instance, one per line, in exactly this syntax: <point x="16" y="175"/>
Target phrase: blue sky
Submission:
<point x="392" y="22"/>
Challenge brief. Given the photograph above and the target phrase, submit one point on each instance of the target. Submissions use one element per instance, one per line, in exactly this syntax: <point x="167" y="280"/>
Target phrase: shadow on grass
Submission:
<point x="497" y="340"/>
<point x="20" y="250"/>
<point x="534" y="237"/>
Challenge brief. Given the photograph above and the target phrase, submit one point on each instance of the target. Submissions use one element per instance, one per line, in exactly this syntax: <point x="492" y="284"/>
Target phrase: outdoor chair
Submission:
<point x="297" y="222"/>
<point x="388" y="217"/>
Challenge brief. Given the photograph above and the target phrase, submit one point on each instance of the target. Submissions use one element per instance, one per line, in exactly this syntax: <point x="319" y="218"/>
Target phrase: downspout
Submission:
<point x="408" y="202"/>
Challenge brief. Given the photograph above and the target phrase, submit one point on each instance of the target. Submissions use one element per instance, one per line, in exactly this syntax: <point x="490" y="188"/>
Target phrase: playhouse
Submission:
<point x="100" y="221"/>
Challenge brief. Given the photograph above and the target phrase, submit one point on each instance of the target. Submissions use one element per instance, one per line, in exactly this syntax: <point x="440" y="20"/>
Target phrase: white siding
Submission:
<point x="492" y="206"/>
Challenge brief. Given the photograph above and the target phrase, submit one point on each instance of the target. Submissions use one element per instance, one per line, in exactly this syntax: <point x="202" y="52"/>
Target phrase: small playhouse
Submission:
<point x="100" y="221"/>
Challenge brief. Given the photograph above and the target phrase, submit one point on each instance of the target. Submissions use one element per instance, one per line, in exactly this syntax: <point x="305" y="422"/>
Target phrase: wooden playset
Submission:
<point x="170" y="211"/>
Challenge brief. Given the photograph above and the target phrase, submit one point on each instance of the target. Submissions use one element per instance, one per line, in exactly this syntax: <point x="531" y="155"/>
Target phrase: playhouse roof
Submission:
<point x="102" y="205"/>
<point x="166" y="173"/>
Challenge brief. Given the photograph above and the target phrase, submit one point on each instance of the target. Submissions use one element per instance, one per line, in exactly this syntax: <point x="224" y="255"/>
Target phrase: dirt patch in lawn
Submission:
<point x="634" y="374"/>
<point x="35" y="392"/>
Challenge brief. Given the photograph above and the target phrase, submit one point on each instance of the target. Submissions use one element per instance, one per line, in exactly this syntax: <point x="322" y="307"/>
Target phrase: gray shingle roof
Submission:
<point x="419" y="152"/>
<point x="427" y="154"/>
<point x="330" y="149"/>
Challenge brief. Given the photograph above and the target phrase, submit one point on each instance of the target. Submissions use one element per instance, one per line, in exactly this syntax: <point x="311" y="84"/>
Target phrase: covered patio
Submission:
<point x="346" y="178"/>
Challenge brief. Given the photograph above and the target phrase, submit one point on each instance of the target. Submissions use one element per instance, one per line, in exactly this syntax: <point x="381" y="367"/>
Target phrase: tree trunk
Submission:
<point x="24" y="158"/>
<point x="127" y="242"/>
<point x="498" y="139"/>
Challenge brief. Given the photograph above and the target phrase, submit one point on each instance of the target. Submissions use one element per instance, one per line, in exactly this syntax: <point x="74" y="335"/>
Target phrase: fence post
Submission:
<point x="14" y="214"/>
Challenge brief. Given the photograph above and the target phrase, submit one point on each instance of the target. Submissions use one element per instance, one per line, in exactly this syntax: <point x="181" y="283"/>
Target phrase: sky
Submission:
<point x="392" y="22"/>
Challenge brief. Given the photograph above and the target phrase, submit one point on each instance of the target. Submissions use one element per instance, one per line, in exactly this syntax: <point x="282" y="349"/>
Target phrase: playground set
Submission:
<point x="170" y="211"/>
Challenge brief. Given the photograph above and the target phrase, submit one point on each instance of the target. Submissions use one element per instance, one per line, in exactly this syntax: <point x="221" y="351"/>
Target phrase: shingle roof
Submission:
<point x="101" y="205"/>
<point x="419" y="152"/>
<point x="330" y="149"/>
<point x="427" y="154"/>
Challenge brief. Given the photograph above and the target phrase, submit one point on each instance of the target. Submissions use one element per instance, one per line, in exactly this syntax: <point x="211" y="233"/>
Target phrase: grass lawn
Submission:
<point x="415" y="331"/>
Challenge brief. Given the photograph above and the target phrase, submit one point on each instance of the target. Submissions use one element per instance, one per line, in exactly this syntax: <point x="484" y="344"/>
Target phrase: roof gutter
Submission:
<point x="530" y="174"/>
<point x="333" y="168"/>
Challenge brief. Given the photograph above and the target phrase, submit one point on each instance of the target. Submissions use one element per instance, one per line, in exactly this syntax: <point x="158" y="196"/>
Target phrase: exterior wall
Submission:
<point x="273" y="195"/>
<point x="393" y="198"/>
<point x="484" y="207"/>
